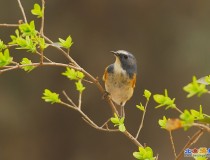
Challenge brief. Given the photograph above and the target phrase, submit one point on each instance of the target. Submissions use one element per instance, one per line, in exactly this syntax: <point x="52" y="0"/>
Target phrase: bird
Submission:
<point x="120" y="78"/>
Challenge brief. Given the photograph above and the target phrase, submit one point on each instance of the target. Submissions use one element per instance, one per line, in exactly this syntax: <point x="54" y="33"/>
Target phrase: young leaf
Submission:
<point x="29" y="67"/>
<point x="122" y="128"/>
<point x="147" y="94"/>
<point x="141" y="107"/>
<point x="194" y="88"/>
<point x="187" y="119"/>
<point x="144" y="154"/>
<point x="163" y="122"/>
<point x="37" y="11"/>
<point x="2" y="45"/>
<point x="79" y="86"/>
<point x="28" y="29"/>
<point x="51" y="97"/>
<point x="164" y="100"/>
<point x="66" y="43"/>
<point x="5" y="58"/>
<point x="72" y="74"/>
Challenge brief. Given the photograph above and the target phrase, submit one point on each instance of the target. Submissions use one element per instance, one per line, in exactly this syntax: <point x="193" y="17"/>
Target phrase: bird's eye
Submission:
<point x="125" y="56"/>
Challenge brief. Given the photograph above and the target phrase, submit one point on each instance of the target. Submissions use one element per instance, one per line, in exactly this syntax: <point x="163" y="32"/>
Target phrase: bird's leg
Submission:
<point x="122" y="111"/>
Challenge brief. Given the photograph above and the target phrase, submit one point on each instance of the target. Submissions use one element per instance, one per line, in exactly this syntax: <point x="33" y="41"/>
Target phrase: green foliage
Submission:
<point x="118" y="122"/>
<point x="66" y="43"/>
<point x="50" y="97"/>
<point x="141" y="107"/>
<point x="144" y="154"/>
<point x="28" y="29"/>
<point x="41" y="43"/>
<point x="29" y="67"/>
<point x="2" y="45"/>
<point x="72" y="74"/>
<point x="198" y="115"/>
<point x="26" y="43"/>
<point x="163" y="122"/>
<point x="164" y="100"/>
<point x="200" y="158"/>
<point x="194" y="88"/>
<point x="79" y="86"/>
<point x="37" y="11"/>
<point x="5" y="58"/>
<point x="187" y="119"/>
<point x="147" y="94"/>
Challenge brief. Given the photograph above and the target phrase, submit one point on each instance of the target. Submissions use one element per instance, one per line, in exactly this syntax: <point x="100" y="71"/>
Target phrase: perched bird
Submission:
<point x="120" y="78"/>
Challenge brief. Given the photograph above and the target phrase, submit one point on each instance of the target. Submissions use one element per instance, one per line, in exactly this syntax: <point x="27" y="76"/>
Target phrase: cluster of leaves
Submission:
<point x="50" y="97"/>
<point x="187" y="117"/>
<point x="119" y="122"/>
<point x="72" y="74"/>
<point x="144" y="154"/>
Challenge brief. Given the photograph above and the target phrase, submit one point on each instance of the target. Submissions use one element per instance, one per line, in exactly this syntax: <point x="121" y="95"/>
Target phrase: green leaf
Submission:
<point x="141" y="107"/>
<point x="163" y="122"/>
<point x="79" y="86"/>
<point x="118" y="122"/>
<point x="144" y="154"/>
<point x="194" y="88"/>
<point x="27" y="44"/>
<point x="50" y="97"/>
<point x="66" y="43"/>
<point x="187" y="119"/>
<point x="147" y="94"/>
<point x="72" y="74"/>
<point x="2" y="45"/>
<point x="29" y="67"/>
<point x="28" y="29"/>
<point x="164" y="100"/>
<point x="122" y="128"/>
<point x="5" y="58"/>
<point x="37" y="11"/>
<point x="41" y="43"/>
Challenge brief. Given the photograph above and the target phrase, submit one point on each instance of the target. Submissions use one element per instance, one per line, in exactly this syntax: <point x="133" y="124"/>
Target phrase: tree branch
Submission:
<point x="22" y="10"/>
<point x="191" y="141"/>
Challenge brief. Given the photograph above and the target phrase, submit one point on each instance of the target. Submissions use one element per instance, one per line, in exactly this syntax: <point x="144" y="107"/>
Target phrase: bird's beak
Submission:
<point x="115" y="53"/>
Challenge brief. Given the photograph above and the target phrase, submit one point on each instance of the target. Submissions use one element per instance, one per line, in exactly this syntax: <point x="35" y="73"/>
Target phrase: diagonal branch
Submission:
<point x="22" y="10"/>
<point x="191" y="141"/>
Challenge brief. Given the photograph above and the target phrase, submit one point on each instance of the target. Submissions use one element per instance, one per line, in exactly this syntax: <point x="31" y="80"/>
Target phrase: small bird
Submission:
<point x="120" y="78"/>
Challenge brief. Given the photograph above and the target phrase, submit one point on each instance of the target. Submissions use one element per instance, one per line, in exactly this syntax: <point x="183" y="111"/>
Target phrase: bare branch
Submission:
<point x="9" y="25"/>
<point x="42" y="22"/>
<point x="69" y="99"/>
<point x="133" y="139"/>
<point x="191" y="141"/>
<point x="142" y="120"/>
<point x="22" y="10"/>
<point x="172" y="143"/>
<point x="203" y="126"/>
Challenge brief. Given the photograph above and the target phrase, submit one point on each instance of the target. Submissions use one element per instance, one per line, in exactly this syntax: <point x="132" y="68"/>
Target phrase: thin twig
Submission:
<point x="100" y="128"/>
<point x="106" y="123"/>
<point x="142" y="120"/>
<point x="132" y="138"/>
<point x="191" y="141"/>
<point x="172" y="143"/>
<point x="22" y="10"/>
<point x="69" y="99"/>
<point x="68" y="105"/>
<point x="203" y="126"/>
<point x="43" y="57"/>
<point x="9" y="25"/>
<point x="42" y="21"/>
<point x="176" y="108"/>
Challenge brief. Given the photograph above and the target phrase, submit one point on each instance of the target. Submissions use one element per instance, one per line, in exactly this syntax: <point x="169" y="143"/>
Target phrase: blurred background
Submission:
<point x="171" y="41"/>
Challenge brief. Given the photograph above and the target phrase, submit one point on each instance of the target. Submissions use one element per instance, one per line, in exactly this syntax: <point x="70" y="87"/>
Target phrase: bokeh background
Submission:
<point x="171" y="41"/>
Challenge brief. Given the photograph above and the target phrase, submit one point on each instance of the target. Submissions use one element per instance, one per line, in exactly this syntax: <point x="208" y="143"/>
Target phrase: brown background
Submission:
<point x="171" y="41"/>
